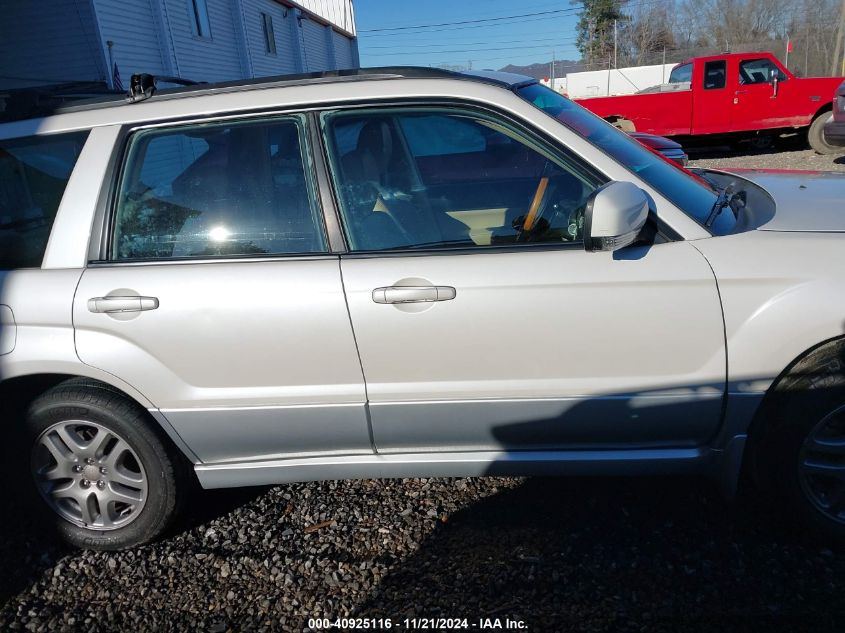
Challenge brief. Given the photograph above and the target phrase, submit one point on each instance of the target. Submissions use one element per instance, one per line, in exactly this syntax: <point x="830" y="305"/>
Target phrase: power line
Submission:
<point x="465" y="27"/>
<point x="470" y="50"/>
<point x="484" y="23"/>
<point x="394" y="50"/>
<point x="477" y="21"/>
<point x="545" y="5"/>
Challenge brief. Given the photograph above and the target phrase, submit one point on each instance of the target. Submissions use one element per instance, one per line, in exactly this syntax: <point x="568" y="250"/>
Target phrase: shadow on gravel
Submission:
<point x="27" y="550"/>
<point x="654" y="554"/>
<point x="204" y="506"/>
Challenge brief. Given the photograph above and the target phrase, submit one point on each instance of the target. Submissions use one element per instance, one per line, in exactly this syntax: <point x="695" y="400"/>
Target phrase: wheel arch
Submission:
<point x="18" y="392"/>
<point x="827" y="107"/>
<point x="622" y="122"/>
<point x="811" y="362"/>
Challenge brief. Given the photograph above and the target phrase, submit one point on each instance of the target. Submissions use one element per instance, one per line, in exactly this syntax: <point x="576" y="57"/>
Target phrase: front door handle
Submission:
<point x="109" y="305"/>
<point x="413" y="294"/>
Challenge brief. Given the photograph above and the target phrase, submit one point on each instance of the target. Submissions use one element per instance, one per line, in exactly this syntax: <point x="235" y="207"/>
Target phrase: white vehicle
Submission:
<point x="403" y="272"/>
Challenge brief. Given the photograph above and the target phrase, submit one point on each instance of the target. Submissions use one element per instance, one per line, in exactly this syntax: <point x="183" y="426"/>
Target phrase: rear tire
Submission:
<point x="800" y="456"/>
<point x="815" y="135"/>
<point x="101" y="475"/>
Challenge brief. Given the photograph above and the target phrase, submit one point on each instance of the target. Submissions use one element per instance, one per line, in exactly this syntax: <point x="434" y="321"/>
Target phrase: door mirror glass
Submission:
<point x="614" y="216"/>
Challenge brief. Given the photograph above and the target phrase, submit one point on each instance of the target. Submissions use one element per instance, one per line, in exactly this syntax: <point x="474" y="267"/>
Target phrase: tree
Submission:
<point x="595" y="28"/>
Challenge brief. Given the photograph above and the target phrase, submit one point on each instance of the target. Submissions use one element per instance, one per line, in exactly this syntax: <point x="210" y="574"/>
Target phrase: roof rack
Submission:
<point x="142" y="86"/>
<point x="42" y="100"/>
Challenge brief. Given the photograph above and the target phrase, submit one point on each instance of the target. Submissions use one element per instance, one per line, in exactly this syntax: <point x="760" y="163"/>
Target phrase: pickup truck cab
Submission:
<point x="735" y="95"/>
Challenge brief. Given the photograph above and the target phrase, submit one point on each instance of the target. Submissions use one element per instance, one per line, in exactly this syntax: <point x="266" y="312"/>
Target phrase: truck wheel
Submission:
<point x="103" y="478"/>
<point x="801" y="455"/>
<point x="815" y="135"/>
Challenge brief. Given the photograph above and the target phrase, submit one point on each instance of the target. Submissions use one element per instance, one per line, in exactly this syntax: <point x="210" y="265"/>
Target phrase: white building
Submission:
<point x="60" y="41"/>
<point x="616" y="81"/>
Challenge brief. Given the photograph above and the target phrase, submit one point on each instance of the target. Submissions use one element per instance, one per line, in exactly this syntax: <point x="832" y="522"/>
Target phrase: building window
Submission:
<point x="269" y="36"/>
<point x="199" y="18"/>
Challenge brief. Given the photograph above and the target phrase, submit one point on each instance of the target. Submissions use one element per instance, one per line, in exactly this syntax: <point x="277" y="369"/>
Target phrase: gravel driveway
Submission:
<point x="657" y="554"/>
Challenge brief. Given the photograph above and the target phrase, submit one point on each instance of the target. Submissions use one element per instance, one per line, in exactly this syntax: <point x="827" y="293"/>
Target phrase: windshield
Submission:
<point x="690" y="193"/>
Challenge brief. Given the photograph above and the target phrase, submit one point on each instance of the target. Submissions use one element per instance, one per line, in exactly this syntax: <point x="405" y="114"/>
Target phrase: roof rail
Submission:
<point x="142" y="86"/>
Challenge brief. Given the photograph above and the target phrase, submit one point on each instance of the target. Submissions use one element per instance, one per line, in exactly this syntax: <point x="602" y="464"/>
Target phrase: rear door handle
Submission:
<point x="122" y="304"/>
<point x="413" y="294"/>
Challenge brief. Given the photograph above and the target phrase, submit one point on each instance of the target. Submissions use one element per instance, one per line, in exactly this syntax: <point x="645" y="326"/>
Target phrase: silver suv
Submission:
<point x="403" y="272"/>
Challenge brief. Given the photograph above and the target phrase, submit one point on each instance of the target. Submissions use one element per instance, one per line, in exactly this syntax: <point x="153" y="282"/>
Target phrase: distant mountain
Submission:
<point x="541" y="71"/>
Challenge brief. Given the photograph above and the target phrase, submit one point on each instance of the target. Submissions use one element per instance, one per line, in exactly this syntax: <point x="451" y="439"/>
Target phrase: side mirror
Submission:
<point x="773" y="79"/>
<point x="614" y="216"/>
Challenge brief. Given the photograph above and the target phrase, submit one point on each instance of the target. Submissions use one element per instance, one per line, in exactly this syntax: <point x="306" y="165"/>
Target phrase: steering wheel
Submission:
<point x="535" y="211"/>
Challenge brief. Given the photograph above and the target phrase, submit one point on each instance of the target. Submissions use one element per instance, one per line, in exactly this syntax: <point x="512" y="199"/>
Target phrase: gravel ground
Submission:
<point x="657" y="554"/>
<point x="800" y="159"/>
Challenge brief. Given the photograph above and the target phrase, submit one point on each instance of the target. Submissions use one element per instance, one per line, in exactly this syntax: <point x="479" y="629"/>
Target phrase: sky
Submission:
<point x="490" y="35"/>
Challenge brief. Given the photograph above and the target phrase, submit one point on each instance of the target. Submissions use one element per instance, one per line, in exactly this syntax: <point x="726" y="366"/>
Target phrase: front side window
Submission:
<point x="758" y="71"/>
<point x="34" y="172"/>
<point x="218" y="189"/>
<point x="715" y="74"/>
<point x="200" y="25"/>
<point x="681" y="74"/>
<point x="439" y="178"/>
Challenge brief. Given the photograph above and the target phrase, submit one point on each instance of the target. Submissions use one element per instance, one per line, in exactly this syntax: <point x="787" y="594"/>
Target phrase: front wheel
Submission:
<point x="801" y="455"/>
<point x="815" y="135"/>
<point x="104" y="477"/>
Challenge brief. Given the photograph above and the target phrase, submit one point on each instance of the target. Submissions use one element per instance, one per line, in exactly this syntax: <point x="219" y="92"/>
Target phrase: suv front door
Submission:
<point x="481" y="321"/>
<point x="216" y="298"/>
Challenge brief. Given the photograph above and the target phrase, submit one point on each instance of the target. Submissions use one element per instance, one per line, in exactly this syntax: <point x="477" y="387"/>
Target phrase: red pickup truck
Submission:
<point x="737" y="95"/>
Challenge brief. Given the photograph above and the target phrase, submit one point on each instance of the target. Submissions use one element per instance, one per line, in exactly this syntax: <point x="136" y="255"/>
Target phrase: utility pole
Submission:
<point x="552" y="75"/>
<point x="786" y="57"/>
<point x="615" y="44"/>
<point x="663" y="68"/>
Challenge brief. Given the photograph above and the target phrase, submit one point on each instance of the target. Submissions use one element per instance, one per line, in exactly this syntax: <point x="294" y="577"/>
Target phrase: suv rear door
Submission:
<point x="214" y="295"/>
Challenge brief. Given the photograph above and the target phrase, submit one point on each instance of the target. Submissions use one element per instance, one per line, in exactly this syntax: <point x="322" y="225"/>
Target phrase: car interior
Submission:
<point x="429" y="179"/>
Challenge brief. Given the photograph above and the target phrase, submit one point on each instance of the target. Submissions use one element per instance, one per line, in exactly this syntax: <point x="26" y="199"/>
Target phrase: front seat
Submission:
<point x="372" y="187"/>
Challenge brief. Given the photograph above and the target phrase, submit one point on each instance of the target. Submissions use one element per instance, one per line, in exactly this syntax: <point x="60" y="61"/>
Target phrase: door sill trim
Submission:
<point x="456" y="464"/>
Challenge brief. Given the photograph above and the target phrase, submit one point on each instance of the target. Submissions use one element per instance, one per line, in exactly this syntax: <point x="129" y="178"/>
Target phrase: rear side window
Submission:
<point x="681" y="74"/>
<point x="217" y="190"/>
<point x="715" y="74"/>
<point x="34" y="172"/>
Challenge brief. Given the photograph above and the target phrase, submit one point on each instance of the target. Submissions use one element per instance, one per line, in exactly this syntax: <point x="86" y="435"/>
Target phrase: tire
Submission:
<point x="815" y="135"/>
<point x="800" y="456"/>
<point x="101" y="475"/>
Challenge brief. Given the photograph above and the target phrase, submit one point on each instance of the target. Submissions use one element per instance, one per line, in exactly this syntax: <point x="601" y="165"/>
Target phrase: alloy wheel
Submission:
<point x="89" y="475"/>
<point x="821" y="465"/>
